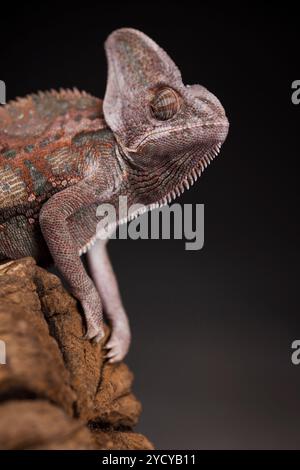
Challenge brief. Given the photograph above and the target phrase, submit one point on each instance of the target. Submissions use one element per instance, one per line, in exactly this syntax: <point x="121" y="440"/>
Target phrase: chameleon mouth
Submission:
<point x="179" y="189"/>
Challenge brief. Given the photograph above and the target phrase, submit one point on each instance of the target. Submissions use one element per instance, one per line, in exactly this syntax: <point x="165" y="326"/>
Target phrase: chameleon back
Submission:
<point x="46" y="144"/>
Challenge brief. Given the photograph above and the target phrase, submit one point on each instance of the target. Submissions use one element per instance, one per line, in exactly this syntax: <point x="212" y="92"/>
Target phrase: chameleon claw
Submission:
<point x="115" y="359"/>
<point x="97" y="339"/>
<point x="111" y="354"/>
<point x="94" y="335"/>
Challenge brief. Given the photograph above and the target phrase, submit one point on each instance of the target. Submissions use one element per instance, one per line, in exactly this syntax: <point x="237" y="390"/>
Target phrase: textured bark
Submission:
<point x="56" y="390"/>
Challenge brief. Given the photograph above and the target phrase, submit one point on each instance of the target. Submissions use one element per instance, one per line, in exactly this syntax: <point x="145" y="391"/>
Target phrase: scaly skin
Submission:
<point x="64" y="153"/>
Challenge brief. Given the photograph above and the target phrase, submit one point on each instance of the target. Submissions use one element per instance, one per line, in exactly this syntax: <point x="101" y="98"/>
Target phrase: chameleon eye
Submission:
<point x="165" y="104"/>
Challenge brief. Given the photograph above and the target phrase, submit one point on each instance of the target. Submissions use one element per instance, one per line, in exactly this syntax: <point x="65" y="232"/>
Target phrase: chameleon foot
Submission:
<point x="119" y="341"/>
<point x="94" y="334"/>
<point x="93" y="314"/>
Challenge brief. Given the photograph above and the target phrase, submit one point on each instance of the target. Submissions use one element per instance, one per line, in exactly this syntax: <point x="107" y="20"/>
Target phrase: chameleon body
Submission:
<point x="64" y="153"/>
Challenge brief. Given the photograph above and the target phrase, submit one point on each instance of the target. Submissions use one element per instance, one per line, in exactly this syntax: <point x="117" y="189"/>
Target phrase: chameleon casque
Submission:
<point x="62" y="153"/>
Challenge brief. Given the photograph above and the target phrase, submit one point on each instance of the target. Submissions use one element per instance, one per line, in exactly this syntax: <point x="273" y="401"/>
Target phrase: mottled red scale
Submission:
<point x="36" y="135"/>
<point x="48" y="142"/>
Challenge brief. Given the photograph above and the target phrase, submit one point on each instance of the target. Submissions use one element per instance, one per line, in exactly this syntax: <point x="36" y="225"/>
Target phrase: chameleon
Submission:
<point x="63" y="153"/>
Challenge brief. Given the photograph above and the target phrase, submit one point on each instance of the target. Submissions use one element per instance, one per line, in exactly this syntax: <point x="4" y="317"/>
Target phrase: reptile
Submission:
<point x="63" y="153"/>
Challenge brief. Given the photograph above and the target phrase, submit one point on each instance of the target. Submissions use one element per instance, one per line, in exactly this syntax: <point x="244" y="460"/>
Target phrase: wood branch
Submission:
<point x="56" y="390"/>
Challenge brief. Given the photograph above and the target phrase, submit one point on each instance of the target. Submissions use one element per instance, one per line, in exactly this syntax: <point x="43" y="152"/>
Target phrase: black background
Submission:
<point x="212" y="330"/>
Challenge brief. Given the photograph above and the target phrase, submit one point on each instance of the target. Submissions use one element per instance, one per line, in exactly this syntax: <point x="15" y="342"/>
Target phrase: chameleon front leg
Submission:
<point x="106" y="283"/>
<point x="64" y="250"/>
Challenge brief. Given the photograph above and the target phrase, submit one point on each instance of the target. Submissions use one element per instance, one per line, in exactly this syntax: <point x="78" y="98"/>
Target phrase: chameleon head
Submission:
<point x="168" y="132"/>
